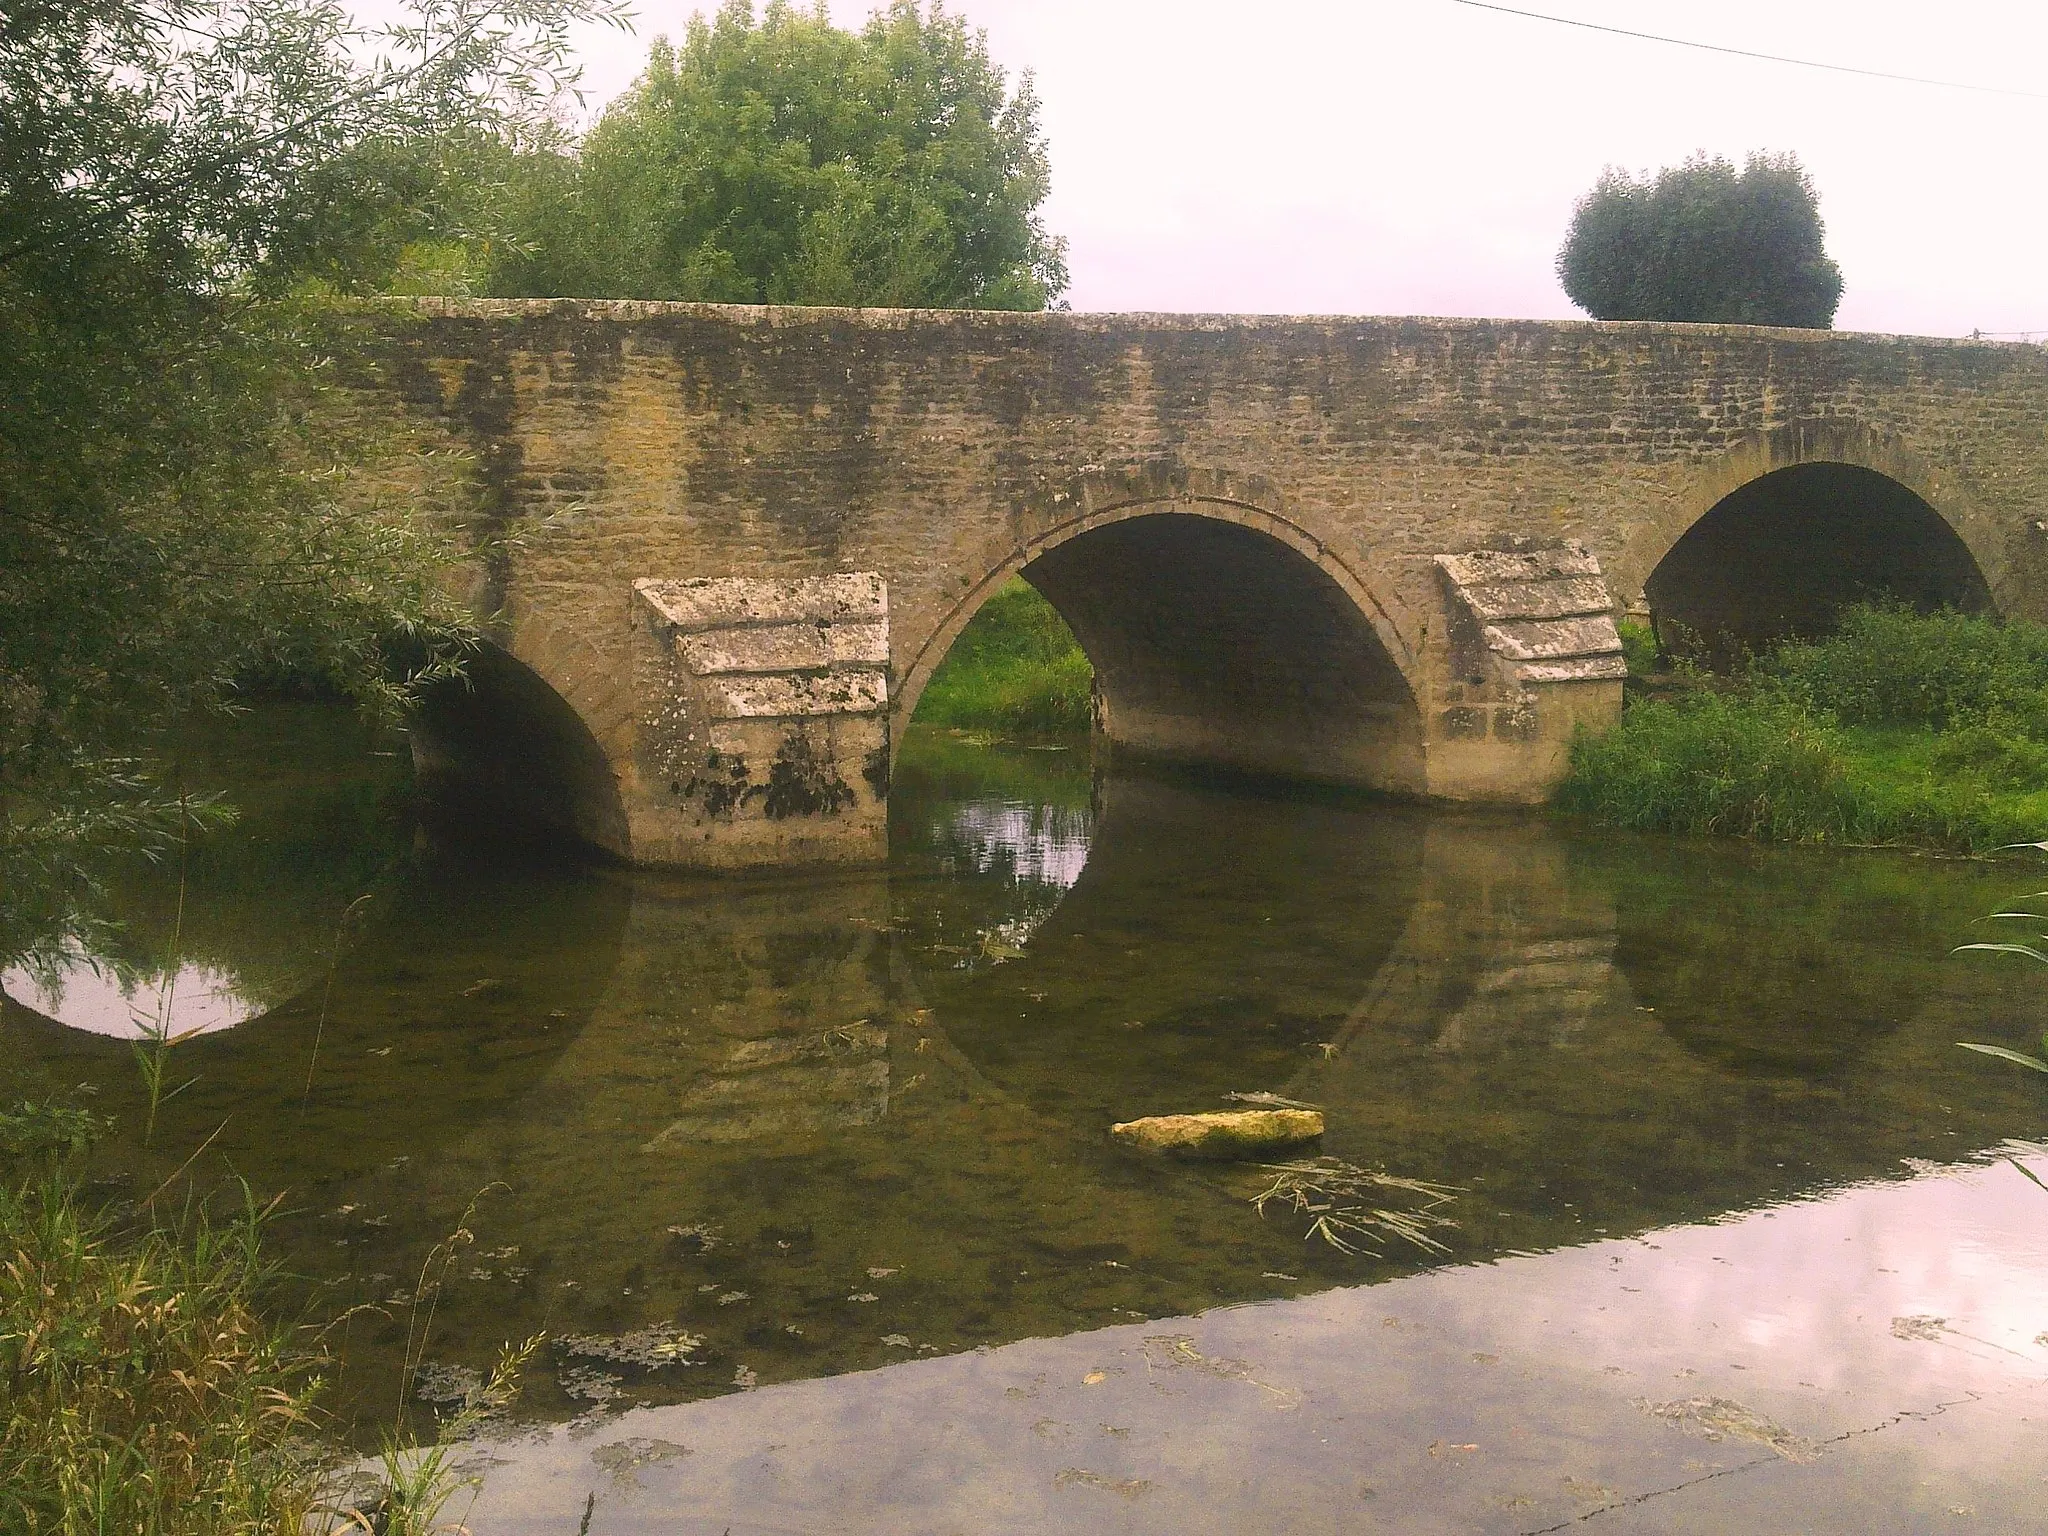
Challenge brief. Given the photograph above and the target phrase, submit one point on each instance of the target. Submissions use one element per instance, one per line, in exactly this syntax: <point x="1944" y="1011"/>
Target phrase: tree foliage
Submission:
<point x="785" y="160"/>
<point x="172" y="174"/>
<point x="1703" y="242"/>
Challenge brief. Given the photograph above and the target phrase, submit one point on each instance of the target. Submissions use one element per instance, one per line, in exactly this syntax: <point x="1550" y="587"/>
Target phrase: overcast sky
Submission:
<point x="1422" y="157"/>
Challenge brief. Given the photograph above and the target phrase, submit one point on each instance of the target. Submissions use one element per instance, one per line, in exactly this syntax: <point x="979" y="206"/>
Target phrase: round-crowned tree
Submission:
<point x="1703" y="242"/>
<point x="777" y="158"/>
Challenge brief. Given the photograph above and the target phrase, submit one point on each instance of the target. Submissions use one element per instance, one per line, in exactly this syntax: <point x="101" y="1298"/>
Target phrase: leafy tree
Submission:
<point x="1703" y="242"/>
<point x="784" y="160"/>
<point x="172" y="174"/>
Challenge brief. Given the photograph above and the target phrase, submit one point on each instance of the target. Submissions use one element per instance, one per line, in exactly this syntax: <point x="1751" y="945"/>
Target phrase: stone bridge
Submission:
<point x="722" y="550"/>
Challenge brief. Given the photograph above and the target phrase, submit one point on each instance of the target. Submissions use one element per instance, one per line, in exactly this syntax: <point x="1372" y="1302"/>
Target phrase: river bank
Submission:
<point x="1900" y="729"/>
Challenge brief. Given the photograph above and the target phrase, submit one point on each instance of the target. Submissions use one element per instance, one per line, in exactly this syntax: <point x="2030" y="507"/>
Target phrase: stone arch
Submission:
<point x="1879" y="511"/>
<point x="1168" y="577"/>
<point x="501" y="750"/>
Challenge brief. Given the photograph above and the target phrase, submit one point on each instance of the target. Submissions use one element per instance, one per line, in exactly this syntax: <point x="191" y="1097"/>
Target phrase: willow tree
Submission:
<point x="176" y="178"/>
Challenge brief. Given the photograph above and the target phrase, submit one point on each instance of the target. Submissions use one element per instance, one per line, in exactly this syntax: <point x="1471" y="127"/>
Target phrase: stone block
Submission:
<point x="763" y="726"/>
<point x="1549" y="639"/>
<point x="1544" y="616"/>
<point x="727" y="602"/>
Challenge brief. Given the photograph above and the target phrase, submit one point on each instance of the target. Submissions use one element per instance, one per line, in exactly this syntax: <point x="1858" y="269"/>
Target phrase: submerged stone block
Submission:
<point x="1223" y="1132"/>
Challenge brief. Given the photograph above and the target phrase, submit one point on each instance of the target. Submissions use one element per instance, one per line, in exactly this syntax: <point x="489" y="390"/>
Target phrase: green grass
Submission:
<point x="141" y="1387"/>
<point x="1916" y="730"/>
<point x="147" y="1387"/>
<point x="1016" y="670"/>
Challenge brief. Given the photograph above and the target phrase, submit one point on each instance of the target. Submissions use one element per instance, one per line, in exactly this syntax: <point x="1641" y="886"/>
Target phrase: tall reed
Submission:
<point x="142" y="1387"/>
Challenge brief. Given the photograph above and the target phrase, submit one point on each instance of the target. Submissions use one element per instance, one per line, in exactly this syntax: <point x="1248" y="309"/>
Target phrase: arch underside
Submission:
<point x="1781" y="555"/>
<point x="501" y="756"/>
<point x="1216" y="643"/>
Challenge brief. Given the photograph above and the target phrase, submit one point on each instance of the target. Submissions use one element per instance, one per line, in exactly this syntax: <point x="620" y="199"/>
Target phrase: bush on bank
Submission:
<point x="1889" y="666"/>
<point x="1919" y="730"/>
<point x="1016" y="670"/>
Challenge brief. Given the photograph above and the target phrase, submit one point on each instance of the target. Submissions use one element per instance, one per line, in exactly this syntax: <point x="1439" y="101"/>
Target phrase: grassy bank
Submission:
<point x="148" y="1387"/>
<point x="1924" y="731"/>
<point x="141" y="1387"/>
<point x="1016" y="670"/>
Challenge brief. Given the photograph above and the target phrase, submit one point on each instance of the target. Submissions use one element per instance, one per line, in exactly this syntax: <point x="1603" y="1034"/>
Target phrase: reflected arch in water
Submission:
<point x="1222" y="633"/>
<point x="498" y="752"/>
<point x="1797" y="966"/>
<point x="451" y="1001"/>
<point x="1146" y="988"/>
<point x="241" y="917"/>
<point x="1795" y="525"/>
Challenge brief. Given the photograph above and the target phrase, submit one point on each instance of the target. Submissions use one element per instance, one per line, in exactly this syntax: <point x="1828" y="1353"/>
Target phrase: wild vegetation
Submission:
<point x="151" y="1382"/>
<point x="179" y="183"/>
<point x="1900" y="728"/>
<point x="1703" y="242"/>
<point x="142" y="1388"/>
<point x="1016" y="670"/>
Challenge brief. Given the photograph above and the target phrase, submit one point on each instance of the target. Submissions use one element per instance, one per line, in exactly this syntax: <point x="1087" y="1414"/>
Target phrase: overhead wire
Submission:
<point x="1749" y="53"/>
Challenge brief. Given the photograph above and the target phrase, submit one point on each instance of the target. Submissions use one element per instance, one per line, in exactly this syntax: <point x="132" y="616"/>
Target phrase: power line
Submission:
<point x="1746" y="53"/>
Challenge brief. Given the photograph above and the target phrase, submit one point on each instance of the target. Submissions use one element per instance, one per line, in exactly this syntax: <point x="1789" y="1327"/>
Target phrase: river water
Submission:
<point x="727" y="1141"/>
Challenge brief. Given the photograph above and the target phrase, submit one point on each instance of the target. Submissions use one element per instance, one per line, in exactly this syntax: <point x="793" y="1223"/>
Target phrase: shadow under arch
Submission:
<point x="498" y="753"/>
<point x="1796" y="524"/>
<point x="1220" y="633"/>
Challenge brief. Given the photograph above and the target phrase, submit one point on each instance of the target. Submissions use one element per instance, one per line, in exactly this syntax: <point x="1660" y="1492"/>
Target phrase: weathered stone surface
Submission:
<point x="1545" y="617"/>
<point x="1494" y="567"/>
<point x="764" y="732"/>
<point x="1224" y="1131"/>
<point x="1258" y="526"/>
<point x="1539" y="598"/>
<point x="1575" y="669"/>
<point x="1549" y="639"/>
<point x="795" y="696"/>
<point x="722" y="602"/>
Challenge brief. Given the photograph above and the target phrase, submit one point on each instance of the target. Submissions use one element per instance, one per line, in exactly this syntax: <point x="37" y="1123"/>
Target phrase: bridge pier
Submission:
<point x="1530" y="655"/>
<point x="764" y="717"/>
<point x="763" y="722"/>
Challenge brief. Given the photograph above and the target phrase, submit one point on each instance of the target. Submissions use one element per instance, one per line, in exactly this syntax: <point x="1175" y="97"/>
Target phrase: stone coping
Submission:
<point x="633" y="311"/>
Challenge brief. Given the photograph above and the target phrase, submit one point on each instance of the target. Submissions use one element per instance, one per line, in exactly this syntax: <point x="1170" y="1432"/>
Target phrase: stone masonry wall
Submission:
<point x="625" y="441"/>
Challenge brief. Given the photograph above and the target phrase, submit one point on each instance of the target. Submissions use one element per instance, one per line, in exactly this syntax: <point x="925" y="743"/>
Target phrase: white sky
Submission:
<point x="1419" y="157"/>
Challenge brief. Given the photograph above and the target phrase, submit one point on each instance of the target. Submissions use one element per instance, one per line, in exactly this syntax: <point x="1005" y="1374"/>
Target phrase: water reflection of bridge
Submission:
<point x="846" y="1073"/>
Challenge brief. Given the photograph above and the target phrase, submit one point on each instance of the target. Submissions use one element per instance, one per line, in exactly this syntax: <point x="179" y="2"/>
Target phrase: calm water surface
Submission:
<point x="717" y="1134"/>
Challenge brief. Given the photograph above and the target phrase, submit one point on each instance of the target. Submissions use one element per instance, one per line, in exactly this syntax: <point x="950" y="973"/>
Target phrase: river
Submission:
<point x="727" y="1141"/>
